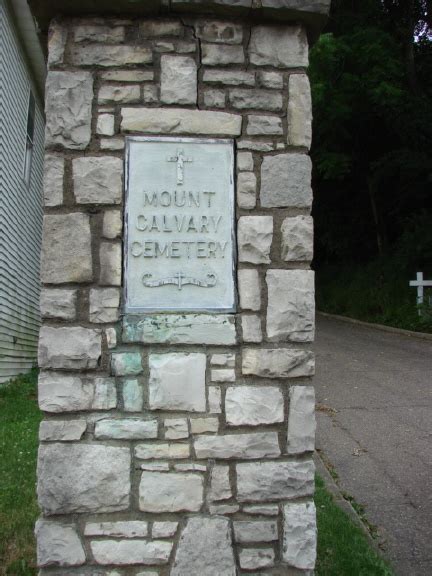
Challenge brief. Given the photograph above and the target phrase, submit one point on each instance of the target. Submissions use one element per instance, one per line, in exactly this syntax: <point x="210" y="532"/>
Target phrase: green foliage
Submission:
<point x="371" y="77"/>
<point x="343" y="549"/>
<point x="376" y="292"/>
<point x="19" y="422"/>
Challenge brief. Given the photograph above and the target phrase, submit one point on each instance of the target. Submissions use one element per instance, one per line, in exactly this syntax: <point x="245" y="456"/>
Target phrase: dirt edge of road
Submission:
<point x="382" y="327"/>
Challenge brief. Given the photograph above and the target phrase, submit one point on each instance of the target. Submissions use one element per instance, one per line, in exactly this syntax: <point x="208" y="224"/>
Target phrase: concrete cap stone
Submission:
<point x="311" y="13"/>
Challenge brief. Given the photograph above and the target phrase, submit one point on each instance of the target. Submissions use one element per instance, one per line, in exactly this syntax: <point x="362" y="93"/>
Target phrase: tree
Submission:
<point x="371" y="81"/>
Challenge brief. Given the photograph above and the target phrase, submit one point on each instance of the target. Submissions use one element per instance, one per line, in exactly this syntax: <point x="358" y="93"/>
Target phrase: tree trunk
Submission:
<point x="379" y="230"/>
<point x="408" y="40"/>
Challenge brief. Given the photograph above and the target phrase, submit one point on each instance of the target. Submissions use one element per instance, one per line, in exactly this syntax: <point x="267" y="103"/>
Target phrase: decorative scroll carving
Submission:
<point x="179" y="279"/>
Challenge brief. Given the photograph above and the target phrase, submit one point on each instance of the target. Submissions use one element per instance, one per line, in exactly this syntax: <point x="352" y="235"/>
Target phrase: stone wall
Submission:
<point x="209" y="472"/>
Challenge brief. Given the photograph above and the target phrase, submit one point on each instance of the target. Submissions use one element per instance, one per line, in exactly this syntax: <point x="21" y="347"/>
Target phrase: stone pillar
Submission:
<point x="172" y="443"/>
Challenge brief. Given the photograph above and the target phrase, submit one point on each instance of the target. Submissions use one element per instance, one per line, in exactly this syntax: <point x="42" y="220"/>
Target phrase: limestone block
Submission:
<point x="291" y="305"/>
<point x="104" y="305"/>
<point x="58" y="544"/>
<point x="267" y="481"/>
<point x="122" y="529"/>
<point x="220" y="488"/>
<point x="223" y="509"/>
<point x="297" y="239"/>
<point x="251" y="328"/>
<point x="253" y="405"/>
<point x="58" y="303"/>
<point x="214" y="98"/>
<point x="257" y="99"/>
<point x="133" y="396"/>
<point x="57" y="37"/>
<point x="72" y="348"/>
<point x="255" y="531"/>
<point x="255" y="145"/>
<point x="281" y="47"/>
<point x="130" y="552"/>
<point x="53" y="180"/>
<point x="164" y="529"/>
<point x="230" y="77"/>
<point x="245" y="446"/>
<point x="217" y="31"/>
<point x="111" y="337"/>
<point x="264" y="125"/>
<point x="178" y="80"/>
<point x="105" y="125"/>
<point x="97" y="179"/>
<point x="223" y="360"/>
<point x="81" y="478"/>
<point x="128" y="75"/>
<point x="112" y="143"/>
<point x="170" y="492"/>
<point x="125" y="429"/>
<point x="180" y="47"/>
<point x="176" y="428"/>
<point x="278" y="362"/>
<point x="256" y="559"/>
<point x="64" y="393"/>
<point x="167" y="450"/>
<point x="205" y="548"/>
<point x="68" y="105"/>
<point x="177" y="382"/>
<point x="156" y="28"/>
<point x="299" y="535"/>
<point x="245" y="161"/>
<point x="299" y="111"/>
<point x="126" y="363"/>
<point x="99" y="33"/>
<point x="110" y="257"/>
<point x="286" y="181"/>
<point x="190" y="467"/>
<point x="262" y="509"/>
<point x="255" y="236"/>
<point x="249" y="289"/>
<point x="203" y="425"/>
<point x="61" y="430"/>
<point x="270" y="79"/>
<point x="301" y="420"/>
<point x="215" y="399"/>
<point x="180" y="329"/>
<point x="150" y="94"/>
<point x="180" y="121"/>
<point x="106" y="55"/>
<point x="246" y="190"/>
<point x="222" y="375"/>
<point x="155" y="466"/>
<point x="66" y="249"/>
<point x="221" y="54"/>
<point x="112" y="224"/>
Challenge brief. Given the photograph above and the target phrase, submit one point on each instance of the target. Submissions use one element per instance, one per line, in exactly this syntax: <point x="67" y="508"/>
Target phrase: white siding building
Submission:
<point x="21" y="172"/>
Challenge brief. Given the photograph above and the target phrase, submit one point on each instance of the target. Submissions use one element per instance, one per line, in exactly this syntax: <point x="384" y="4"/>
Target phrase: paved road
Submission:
<point x="374" y="394"/>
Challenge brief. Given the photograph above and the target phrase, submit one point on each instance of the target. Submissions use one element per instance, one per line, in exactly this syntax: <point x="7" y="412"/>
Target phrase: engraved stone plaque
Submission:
<point x="179" y="247"/>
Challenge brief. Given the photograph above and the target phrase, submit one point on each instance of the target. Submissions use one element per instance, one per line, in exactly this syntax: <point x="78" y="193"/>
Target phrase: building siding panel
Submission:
<point x="20" y="209"/>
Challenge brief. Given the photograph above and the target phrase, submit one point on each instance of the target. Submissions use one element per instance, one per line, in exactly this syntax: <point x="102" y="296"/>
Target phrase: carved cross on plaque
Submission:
<point x="180" y="159"/>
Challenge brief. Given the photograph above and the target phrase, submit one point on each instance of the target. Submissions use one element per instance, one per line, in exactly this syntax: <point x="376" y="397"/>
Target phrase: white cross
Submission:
<point x="180" y="159"/>
<point x="421" y="285"/>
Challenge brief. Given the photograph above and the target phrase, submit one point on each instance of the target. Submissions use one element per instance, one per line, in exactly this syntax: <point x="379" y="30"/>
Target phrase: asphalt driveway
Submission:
<point x="374" y="394"/>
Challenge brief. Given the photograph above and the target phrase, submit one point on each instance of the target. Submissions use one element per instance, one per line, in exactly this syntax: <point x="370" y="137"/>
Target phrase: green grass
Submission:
<point x="377" y="292"/>
<point x="19" y="422"/>
<point x="343" y="549"/>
